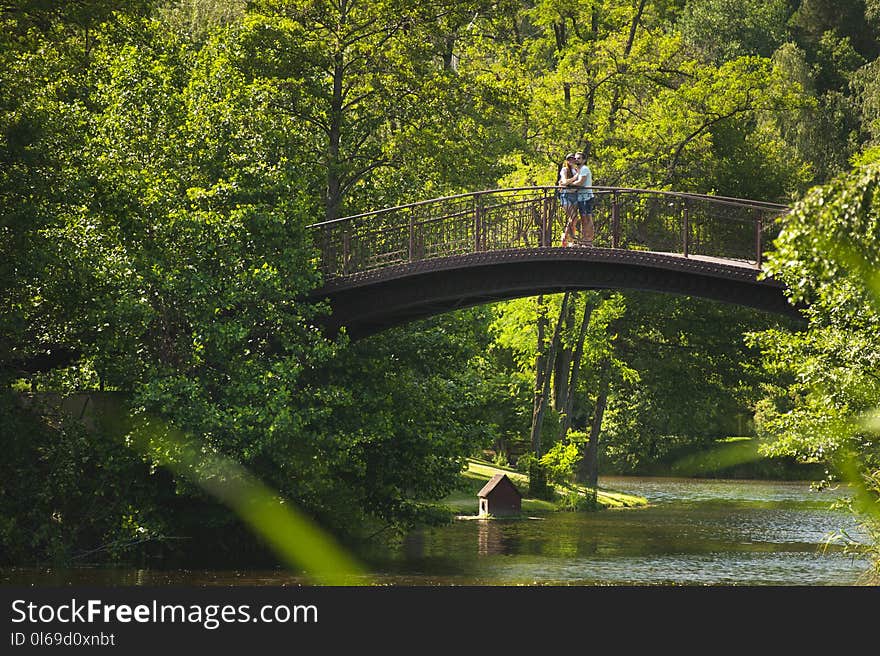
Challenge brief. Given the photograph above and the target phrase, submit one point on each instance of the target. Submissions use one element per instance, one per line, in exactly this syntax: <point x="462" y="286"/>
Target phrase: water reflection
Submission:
<point x="489" y="538"/>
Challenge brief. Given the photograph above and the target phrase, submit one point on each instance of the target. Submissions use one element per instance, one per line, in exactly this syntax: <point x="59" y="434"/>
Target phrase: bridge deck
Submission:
<point x="702" y="264"/>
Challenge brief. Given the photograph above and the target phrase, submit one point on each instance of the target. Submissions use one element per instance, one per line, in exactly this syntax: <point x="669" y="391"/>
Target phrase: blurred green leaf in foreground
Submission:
<point x="297" y="540"/>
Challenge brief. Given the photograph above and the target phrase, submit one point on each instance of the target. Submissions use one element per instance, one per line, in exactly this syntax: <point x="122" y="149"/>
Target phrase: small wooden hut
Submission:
<point x="499" y="497"/>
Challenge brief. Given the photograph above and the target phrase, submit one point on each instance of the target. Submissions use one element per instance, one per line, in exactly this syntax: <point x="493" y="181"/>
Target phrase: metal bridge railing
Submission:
<point x="530" y="217"/>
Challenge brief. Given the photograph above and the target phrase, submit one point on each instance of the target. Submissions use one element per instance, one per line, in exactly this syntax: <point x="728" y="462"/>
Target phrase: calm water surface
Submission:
<point x="695" y="532"/>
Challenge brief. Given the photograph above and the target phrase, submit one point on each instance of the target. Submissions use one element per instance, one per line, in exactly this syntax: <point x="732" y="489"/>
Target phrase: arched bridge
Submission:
<point x="391" y="266"/>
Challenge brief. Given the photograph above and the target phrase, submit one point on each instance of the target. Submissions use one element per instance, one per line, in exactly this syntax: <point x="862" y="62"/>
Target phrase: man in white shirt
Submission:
<point x="585" y="199"/>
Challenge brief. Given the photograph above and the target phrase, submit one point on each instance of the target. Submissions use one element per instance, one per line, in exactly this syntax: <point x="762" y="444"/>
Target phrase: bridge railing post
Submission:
<point x="615" y="220"/>
<point x="346" y="253"/>
<point x="412" y="237"/>
<point x="685" y="227"/>
<point x="478" y="223"/>
<point x="327" y="254"/>
<point x="544" y="238"/>
<point x="759" y="246"/>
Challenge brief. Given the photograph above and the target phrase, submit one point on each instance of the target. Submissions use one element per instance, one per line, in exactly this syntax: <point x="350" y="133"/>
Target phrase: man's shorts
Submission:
<point x="585" y="205"/>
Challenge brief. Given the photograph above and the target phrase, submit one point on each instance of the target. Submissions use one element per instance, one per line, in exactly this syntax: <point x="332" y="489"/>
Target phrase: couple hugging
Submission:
<point x="575" y="180"/>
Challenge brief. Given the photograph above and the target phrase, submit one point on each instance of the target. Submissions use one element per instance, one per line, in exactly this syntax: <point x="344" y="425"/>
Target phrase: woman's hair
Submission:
<point x="564" y="163"/>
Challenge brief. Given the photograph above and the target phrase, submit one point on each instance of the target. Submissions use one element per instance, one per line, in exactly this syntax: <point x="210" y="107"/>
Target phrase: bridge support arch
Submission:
<point x="374" y="301"/>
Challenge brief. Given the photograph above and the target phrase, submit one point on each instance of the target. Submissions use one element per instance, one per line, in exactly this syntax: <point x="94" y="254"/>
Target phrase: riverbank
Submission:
<point x="478" y="472"/>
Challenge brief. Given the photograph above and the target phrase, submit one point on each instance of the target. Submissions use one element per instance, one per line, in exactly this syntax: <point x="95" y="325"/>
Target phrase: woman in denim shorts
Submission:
<point x="568" y="197"/>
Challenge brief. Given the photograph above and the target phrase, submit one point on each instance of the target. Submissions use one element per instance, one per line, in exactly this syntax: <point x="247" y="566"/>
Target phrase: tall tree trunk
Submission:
<point x="450" y="61"/>
<point x="588" y="467"/>
<point x="594" y="35"/>
<point x="333" y="200"/>
<point x="334" y="189"/>
<point x="540" y="358"/>
<point x="632" y="28"/>
<point x="537" y="476"/>
<point x="561" y="35"/>
<point x="543" y="394"/>
<point x="567" y="408"/>
<point x="562" y="369"/>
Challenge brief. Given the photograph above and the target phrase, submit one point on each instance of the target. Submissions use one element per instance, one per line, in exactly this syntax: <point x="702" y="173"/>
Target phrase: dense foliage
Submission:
<point x="161" y="160"/>
<point x="825" y="397"/>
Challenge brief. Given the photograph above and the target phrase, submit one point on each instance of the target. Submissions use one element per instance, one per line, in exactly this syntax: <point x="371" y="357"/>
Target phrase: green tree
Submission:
<point x="404" y="410"/>
<point x="850" y="20"/>
<point x="721" y="30"/>
<point x="827" y="254"/>
<point x="697" y="381"/>
<point x="383" y="111"/>
<point x="46" y="54"/>
<point x="193" y="256"/>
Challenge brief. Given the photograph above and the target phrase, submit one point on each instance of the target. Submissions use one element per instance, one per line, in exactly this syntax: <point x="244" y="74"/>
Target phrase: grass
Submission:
<point x="478" y="472"/>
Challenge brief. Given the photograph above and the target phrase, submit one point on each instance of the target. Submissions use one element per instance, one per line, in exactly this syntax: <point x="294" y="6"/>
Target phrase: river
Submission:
<point x="695" y="532"/>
